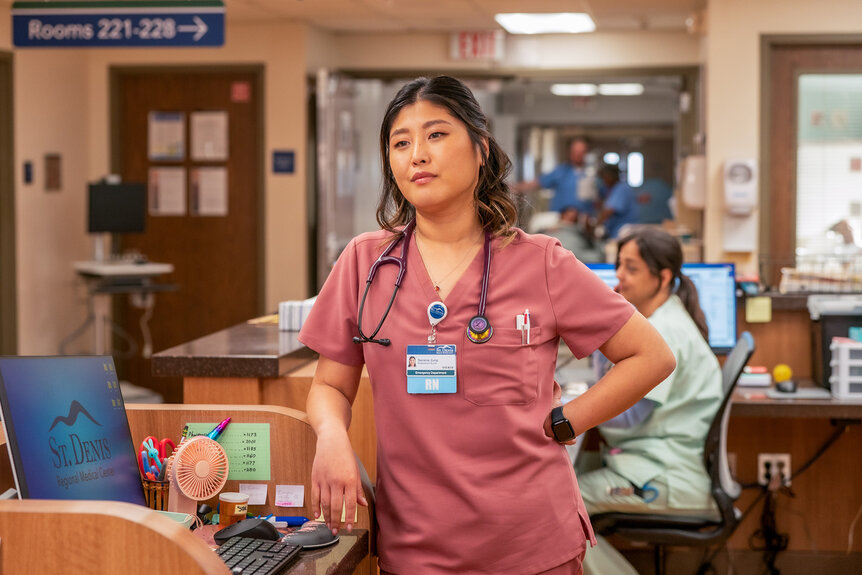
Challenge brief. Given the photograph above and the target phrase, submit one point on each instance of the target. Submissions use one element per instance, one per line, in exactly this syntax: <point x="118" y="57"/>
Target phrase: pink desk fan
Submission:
<point x="197" y="471"/>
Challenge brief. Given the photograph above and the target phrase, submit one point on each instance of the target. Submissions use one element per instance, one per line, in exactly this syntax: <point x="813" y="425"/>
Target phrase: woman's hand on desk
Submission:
<point x="335" y="481"/>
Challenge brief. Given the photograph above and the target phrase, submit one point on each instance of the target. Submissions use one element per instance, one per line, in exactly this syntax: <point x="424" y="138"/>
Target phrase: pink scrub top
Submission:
<point x="468" y="482"/>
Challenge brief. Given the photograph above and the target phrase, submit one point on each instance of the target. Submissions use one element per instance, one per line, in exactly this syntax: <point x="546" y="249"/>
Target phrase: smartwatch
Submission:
<point x="561" y="427"/>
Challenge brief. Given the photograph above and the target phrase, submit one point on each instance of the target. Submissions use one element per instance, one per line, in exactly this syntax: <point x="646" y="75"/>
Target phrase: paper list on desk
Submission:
<point x="247" y="447"/>
<point x="289" y="495"/>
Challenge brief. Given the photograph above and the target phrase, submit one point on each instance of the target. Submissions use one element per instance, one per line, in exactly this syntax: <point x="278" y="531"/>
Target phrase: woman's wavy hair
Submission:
<point x="662" y="251"/>
<point x="493" y="198"/>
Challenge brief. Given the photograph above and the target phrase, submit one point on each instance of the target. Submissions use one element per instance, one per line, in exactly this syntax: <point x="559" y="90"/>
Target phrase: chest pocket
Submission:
<point x="501" y="371"/>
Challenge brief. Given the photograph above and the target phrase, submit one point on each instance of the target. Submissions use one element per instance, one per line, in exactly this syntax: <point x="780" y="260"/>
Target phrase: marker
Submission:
<point x="291" y="520"/>
<point x="218" y="429"/>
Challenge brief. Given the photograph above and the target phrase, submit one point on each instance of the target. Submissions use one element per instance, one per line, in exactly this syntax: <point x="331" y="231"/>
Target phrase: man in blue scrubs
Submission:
<point x="620" y="206"/>
<point x="574" y="191"/>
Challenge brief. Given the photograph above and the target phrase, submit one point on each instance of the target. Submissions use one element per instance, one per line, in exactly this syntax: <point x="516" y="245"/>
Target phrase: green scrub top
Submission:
<point x="669" y="443"/>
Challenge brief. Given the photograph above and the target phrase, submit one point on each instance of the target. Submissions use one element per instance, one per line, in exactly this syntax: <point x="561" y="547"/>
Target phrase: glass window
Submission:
<point x="635" y="169"/>
<point x="829" y="162"/>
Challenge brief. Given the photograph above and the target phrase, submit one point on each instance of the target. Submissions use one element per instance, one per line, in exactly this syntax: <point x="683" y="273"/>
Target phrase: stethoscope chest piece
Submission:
<point x="479" y="330"/>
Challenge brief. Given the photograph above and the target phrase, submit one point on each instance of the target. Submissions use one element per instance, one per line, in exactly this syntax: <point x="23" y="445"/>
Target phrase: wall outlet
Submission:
<point x="772" y="464"/>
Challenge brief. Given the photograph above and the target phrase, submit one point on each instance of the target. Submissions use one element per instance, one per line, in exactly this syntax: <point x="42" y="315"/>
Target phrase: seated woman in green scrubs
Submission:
<point x="654" y="456"/>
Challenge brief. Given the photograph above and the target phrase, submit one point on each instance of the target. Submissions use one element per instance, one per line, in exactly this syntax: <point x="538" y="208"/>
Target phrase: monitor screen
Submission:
<point x="66" y="429"/>
<point x="606" y="272"/>
<point x="117" y="208"/>
<point x="716" y="290"/>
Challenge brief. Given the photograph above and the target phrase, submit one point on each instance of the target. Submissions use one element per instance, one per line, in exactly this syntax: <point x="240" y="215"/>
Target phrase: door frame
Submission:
<point x="116" y="74"/>
<point x="778" y="110"/>
<point x="8" y="256"/>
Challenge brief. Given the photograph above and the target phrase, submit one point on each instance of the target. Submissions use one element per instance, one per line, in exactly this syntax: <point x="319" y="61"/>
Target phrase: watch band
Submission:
<point x="560" y="426"/>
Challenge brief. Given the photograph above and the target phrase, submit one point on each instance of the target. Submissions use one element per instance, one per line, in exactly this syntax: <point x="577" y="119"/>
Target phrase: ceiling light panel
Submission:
<point x="621" y="89"/>
<point x="550" y="23"/>
<point x="574" y="89"/>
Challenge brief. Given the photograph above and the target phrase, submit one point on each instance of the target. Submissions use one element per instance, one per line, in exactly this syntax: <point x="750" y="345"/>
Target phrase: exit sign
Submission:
<point x="140" y="24"/>
<point x="483" y="45"/>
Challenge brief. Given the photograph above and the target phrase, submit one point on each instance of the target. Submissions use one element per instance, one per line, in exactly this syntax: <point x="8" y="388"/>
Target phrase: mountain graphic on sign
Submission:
<point x="74" y="410"/>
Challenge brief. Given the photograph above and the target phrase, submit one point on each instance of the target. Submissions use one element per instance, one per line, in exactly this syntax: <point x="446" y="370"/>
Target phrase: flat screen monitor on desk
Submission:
<point x="716" y="290"/>
<point x="66" y="429"/>
<point x="117" y="208"/>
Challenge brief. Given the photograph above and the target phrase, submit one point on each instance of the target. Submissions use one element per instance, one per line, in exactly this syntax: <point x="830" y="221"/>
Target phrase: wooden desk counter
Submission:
<point x="256" y="364"/>
<point x="826" y="495"/>
<point x="349" y="555"/>
<point x="753" y="402"/>
<point x="111" y="537"/>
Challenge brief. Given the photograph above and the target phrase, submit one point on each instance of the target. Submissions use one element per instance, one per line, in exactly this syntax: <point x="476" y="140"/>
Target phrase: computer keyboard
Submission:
<point x="247" y="556"/>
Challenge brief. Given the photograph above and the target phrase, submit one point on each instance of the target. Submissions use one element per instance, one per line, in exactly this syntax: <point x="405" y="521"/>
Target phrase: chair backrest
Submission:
<point x="725" y="489"/>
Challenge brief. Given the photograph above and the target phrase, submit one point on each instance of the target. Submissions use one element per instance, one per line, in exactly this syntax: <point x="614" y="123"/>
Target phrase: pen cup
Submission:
<point x="156" y="494"/>
<point x="232" y="507"/>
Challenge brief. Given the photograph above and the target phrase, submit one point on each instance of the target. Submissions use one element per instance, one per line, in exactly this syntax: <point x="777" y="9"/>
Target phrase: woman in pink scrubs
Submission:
<point x="472" y="473"/>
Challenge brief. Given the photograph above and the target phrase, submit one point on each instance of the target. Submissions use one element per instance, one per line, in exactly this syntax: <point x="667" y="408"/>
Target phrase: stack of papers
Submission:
<point x="292" y="314"/>
<point x="755" y="376"/>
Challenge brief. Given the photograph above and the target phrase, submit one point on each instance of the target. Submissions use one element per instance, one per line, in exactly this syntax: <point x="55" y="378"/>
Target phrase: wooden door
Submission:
<point x="786" y="60"/>
<point x="217" y="258"/>
<point x="8" y="297"/>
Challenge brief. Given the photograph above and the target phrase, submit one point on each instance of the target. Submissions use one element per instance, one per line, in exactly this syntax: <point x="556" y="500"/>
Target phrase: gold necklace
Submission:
<point x="435" y="283"/>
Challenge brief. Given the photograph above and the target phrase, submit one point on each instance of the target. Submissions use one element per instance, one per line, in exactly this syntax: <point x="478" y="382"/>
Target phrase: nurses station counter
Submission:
<point x="258" y="364"/>
<point x="254" y="363"/>
<point x="64" y="536"/>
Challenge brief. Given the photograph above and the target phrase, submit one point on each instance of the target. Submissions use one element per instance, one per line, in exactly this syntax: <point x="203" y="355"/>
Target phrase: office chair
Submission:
<point x="660" y="530"/>
<point x="368" y="488"/>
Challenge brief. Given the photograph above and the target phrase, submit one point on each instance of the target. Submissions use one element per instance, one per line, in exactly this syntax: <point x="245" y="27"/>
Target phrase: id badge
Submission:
<point x="431" y="369"/>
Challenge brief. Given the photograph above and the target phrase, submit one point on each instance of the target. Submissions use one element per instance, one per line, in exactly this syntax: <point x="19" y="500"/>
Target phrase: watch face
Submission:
<point x="563" y="430"/>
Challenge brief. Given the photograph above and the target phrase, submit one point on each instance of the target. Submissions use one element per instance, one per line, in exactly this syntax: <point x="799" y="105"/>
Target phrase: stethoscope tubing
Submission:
<point x="401" y="261"/>
<point x="385" y="258"/>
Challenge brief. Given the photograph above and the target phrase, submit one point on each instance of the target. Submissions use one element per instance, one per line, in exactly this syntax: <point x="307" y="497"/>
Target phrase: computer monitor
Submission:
<point x="716" y="290"/>
<point x="606" y="272"/>
<point x="117" y="208"/>
<point x="66" y="429"/>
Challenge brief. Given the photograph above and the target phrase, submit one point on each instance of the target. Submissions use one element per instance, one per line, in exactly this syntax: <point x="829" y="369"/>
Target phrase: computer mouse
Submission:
<point x="788" y="386"/>
<point x="311" y="535"/>
<point x="253" y="527"/>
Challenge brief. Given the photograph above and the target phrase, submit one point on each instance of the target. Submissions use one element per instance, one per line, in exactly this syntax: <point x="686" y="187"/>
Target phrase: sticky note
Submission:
<point x="256" y="492"/>
<point x="246" y="445"/>
<point x="758" y="309"/>
<point x="289" y="495"/>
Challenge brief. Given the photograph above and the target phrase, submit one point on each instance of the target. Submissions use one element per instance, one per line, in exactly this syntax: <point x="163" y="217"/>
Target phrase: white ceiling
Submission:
<point x="451" y="15"/>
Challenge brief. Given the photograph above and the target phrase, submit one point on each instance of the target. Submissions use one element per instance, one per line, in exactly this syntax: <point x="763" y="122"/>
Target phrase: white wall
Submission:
<point x="733" y="82"/>
<point x="62" y="106"/>
<point x="51" y="117"/>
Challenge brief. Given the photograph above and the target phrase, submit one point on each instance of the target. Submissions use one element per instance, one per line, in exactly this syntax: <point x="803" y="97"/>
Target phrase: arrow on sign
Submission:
<point x="199" y="28"/>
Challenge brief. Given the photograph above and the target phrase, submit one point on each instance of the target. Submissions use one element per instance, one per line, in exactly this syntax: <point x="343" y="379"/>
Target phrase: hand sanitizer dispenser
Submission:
<point x="740" y="186"/>
<point x="740" y="204"/>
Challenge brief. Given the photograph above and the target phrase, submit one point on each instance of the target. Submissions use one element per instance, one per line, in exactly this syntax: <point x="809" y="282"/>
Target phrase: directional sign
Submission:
<point x="140" y="24"/>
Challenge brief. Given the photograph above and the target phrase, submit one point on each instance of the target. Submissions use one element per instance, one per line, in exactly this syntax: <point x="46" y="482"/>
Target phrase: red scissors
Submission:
<point x="150" y="443"/>
<point x="157" y="452"/>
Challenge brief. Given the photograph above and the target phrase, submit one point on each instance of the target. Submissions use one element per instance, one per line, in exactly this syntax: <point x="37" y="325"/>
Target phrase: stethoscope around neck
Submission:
<point x="479" y="329"/>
